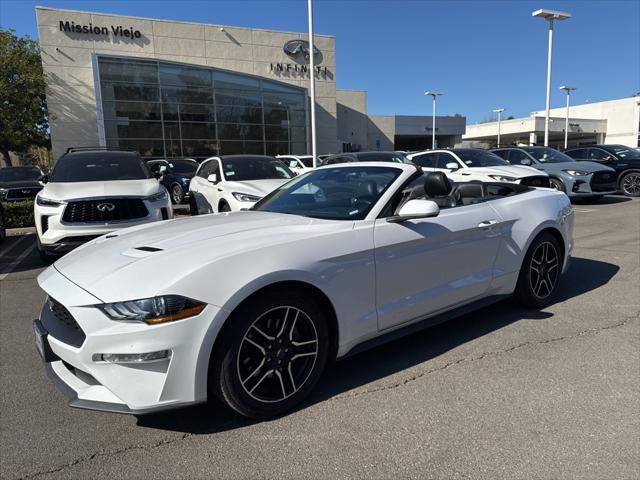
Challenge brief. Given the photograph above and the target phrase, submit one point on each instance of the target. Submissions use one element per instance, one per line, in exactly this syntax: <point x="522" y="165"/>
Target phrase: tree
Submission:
<point x="23" y="105"/>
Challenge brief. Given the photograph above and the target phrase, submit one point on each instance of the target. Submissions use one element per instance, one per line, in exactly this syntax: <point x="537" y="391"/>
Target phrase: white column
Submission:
<point x="566" y="123"/>
<point x="548" y="105"/>
<point x="533" y="139"/>
<point x="312" y="84"/>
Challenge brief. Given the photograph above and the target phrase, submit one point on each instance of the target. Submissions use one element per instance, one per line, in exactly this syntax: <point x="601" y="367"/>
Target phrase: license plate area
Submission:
<point x="42" y="343"/>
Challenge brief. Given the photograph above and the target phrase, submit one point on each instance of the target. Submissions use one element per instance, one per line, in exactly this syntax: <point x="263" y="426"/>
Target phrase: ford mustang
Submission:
<point x="336" y="260"/>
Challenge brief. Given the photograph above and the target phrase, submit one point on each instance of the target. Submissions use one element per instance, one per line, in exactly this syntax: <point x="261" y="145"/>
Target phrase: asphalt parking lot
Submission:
<point x="500" y="393"/>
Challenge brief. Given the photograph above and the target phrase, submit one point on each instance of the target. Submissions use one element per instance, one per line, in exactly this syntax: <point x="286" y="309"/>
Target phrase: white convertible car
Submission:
<point x="256" y="302"/>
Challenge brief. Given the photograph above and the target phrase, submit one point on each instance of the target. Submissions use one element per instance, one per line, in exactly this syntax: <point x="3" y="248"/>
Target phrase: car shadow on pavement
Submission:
<point x="378" y="363"/>
<point x="608" y="200"/>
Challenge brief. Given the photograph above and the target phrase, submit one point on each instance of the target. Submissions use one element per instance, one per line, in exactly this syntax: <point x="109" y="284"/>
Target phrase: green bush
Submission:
<point x="18" y="214"/>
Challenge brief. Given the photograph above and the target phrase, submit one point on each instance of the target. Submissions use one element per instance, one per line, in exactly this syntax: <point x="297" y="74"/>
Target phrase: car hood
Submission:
<point x="116" y="188"/>
<point x="259" y="188"/>
<point x="517" y="171"/>
<point x="21" y="184"/>
<point x="589" y="167"/>
<point x="109" y="266"/>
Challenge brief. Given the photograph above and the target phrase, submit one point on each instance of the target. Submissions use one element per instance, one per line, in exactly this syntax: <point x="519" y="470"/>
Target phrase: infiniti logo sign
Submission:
<point x="106" y="207"/>
<point x="299" y="51"/>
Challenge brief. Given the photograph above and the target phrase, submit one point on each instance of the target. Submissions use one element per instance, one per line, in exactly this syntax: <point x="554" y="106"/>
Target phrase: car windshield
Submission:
<point x="346" y="193"/>
<point x="395" y="157"/>
<point x="307" y="161"/>
<point x="99" y="167"/>
<point x="480" y="158"/>
<point x="19" y="174"/>
<point x="548" y="155"/>
<point x="184" y="167"/>
<point x="625" y="152"/>
<point x="240" y="169"/>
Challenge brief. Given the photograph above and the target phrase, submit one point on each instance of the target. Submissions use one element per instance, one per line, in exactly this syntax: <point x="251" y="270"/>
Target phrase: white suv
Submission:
<point x="91" y="192"/>
<point x="235" y="182"/>
<point x="474" y="164"/>
<point x="298" y="164"/>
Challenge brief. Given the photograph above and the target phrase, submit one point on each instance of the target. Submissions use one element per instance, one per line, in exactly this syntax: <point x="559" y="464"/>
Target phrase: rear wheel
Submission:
<point x="630" y="184"/>
<point x="540" y="272"/>
<point x="224" y="207"/>
<point x="177" y="194"/>
<point x="271" y="356"/>
<point x="558" y="185"/>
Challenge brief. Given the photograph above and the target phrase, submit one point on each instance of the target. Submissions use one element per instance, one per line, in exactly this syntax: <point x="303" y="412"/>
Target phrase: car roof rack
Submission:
<point x="101" y="148"/>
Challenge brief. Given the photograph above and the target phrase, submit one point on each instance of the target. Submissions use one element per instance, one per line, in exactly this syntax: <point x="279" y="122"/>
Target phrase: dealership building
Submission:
<point x="172" y="89"/>
<point x="612" y="121"/>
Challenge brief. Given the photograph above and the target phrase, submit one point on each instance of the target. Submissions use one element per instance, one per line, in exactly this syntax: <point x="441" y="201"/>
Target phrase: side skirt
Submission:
<point x="423" y="324"/>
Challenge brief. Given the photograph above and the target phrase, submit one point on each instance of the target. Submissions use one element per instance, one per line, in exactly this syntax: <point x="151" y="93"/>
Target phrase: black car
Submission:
<point x="347" y="157"/>
<point x="19" y="183"/>
<point x="176" y="175"/>
<point x="625" y="161"/>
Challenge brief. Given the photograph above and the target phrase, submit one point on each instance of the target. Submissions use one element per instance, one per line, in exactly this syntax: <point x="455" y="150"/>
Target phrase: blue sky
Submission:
<point x="482" y="54"/>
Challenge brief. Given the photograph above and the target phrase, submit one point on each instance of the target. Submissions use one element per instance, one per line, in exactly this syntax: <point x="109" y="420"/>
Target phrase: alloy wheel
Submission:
<point x="543" y="271"/>
<point x="631" y="184"/>
<point x="277" y="354"/>
<point x="177" y="194"/>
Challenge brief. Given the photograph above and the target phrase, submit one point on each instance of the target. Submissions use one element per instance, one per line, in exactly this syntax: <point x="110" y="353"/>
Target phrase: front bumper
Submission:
<point x="584" y="187"/>
<point x="125" y="388"/>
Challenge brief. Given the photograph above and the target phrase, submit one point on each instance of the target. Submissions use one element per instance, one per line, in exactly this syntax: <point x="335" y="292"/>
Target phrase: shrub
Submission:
<point x="18" y="214"/>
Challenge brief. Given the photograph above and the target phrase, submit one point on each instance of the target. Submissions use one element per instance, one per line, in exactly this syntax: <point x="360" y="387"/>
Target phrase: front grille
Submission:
<point x="60" y="324"/>
<point x="104" y="210"/>
<point x="537" y="181"/>
<point x="26" y="193"/>
<point x="603" y="181"/>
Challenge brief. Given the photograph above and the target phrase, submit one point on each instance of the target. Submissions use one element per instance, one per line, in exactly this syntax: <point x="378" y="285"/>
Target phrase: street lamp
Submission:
<point x="499" y="112"/>
<point x="433" y="125"/>
<point x="550" y="16"/>
<point x="568" y="89"/>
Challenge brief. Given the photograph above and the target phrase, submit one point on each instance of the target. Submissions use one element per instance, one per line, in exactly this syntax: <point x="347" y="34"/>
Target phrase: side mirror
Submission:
<point x="609" y="159"/>
<point x="213" y="178"/>
<point x="452" y="166"/>
<point x="162" y="169"/>
<point x="525" y="161"/>
<point x="44" y="179"/>
<point x="415" y="209"/>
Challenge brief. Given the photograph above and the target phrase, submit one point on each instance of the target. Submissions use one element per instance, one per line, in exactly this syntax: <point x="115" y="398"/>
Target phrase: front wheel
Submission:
<point x="630" y="184"/>
<point x="558" y="185"/>
<point x="271" y="356"/>
<point x="540" y="272"/>
<point x="177" y="194"/>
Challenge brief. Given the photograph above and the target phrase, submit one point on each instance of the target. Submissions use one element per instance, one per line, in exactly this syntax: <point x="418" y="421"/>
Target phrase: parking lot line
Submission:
<point x="10" y="246"/>
<point x="9" y="268"/>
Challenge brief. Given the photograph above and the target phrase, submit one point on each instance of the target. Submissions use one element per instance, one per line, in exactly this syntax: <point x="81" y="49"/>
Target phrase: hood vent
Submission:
<point x="148" y="249"/>
<point x="141" y="252"/>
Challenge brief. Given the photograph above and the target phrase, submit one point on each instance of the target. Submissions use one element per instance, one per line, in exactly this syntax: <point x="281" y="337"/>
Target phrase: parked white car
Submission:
<point x="474" y="164"/>
<point x="91" y="192"/>
<point x="298" y="164"/>
<point x="235" y="182"/>
<point x="255" y="303"/>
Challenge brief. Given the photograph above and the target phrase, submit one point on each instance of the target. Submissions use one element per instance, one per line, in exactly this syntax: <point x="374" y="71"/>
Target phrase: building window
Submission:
<point x="172" y="110"/>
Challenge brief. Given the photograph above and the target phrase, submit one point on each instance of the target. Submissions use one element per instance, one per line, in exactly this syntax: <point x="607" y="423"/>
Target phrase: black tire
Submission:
<point x="540" y="272"/>
<point x="630" y="184"/>
<point x="193" y="206"/>
<point x="3" y="228"/>
<point x="177" y="194"/>
<point x="558" y="185"/>
<point x="255" y="358"/>
<point x="224" y="207"/>
<point x="44" y="256"/>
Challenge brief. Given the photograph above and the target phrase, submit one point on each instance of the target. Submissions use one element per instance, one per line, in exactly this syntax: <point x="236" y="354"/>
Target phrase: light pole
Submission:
<point x="499" y="112"/>
<point x="312" y="85"/>
<point x="433" y="123"/>
<point x="550" y="16"/>
<point x="568" y="89"/>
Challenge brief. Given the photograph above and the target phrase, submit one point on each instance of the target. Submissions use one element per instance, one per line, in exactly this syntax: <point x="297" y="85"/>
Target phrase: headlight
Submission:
<point x="45" y="202"/>
<point x="153" y="311"/>
<point x="3" y="193"/>
<point x="161" y="195"/>
<point x="503" y="178"/>
<point x="245" y="197"/>
<point x="576" y="173"/>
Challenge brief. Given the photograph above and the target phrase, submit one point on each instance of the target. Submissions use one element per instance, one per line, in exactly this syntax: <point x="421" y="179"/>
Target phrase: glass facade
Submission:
<point x="164" y="109"/>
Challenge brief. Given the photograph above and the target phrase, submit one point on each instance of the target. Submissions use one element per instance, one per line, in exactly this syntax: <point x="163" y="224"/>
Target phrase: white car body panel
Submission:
<point x="295" y="164"/>
<point x="66" y="192"/>
<point x="482" y="174"/>
<point x="415" y="270"/>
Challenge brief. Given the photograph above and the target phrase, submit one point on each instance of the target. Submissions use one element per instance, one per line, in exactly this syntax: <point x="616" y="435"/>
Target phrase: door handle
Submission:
<point x="488" y="223"/>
